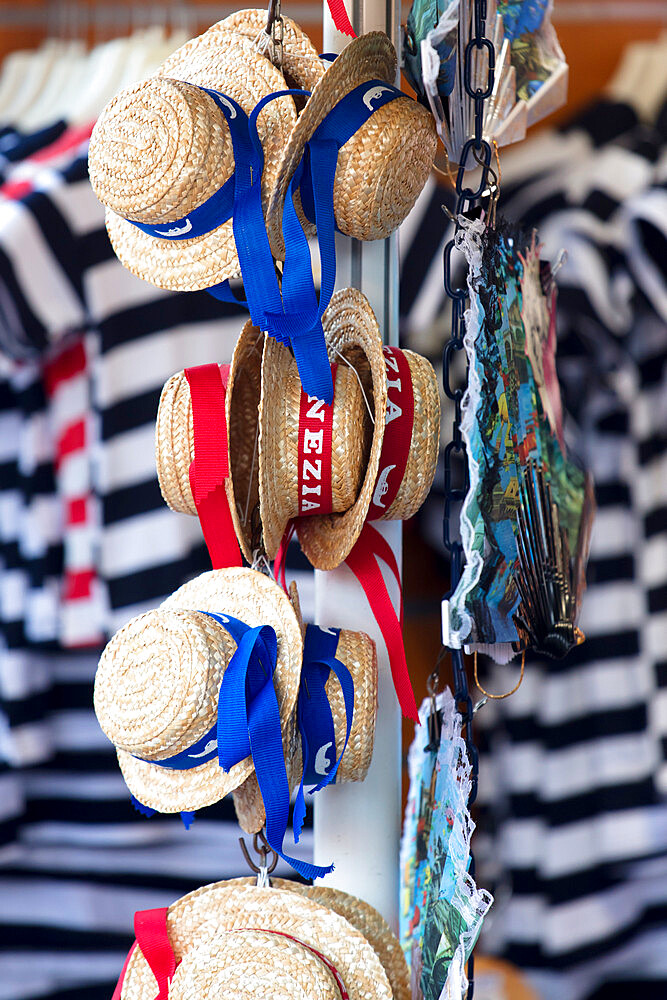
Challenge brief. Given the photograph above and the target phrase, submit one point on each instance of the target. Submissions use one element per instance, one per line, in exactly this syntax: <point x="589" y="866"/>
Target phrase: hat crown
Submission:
<point x="350" y="437"/>
<point x="252" y="963"/>
<point x="159" y="149"/>
<point x="157" y="683"/>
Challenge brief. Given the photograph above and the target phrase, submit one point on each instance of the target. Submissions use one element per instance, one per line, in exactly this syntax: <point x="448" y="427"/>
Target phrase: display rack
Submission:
<point x="358" y="824"/>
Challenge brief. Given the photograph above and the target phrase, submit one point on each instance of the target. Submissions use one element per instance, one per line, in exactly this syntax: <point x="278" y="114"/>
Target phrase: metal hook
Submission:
<point x="263" y="849"/>
<point x="434" y="721"/>
<point x="499" y="697"/>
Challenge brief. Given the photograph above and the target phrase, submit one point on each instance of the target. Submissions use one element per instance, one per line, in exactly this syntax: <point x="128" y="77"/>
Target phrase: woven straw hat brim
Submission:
<point x="350" y="328"/>
<point x="423" y="455"/>
<point x="255" y="600"/>
<point x="201" y="916"/>
<point x="365" y="918"/>
<point x="369" y="57"/>
<point x="239" y="71"/>
<point x="301" y="66"/>
<point x="357" y="651"/>
<point x="278" y="441"/>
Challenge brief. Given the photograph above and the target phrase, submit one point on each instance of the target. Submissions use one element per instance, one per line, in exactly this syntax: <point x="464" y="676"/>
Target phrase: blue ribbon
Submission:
<point x="201" y="220"/>
<point x="314" y="718"/>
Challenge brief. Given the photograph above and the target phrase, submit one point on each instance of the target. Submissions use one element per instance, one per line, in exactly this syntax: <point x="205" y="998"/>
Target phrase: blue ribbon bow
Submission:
<point x="314" y="717"/>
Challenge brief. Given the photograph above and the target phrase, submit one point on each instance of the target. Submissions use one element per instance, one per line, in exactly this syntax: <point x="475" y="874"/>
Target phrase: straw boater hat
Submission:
<point x="301" y="64"/>
<point x="392" y="153"/>
<point x="328" y="539"/>
<point x="162" y="147"/>
<point x="263" y="401"/>
<point x="157" y="684"/>
<point x="175" y="447"/>
<point x="357" y="652"/>
<point x="361" y="915"/>
<point x="237" y="939"/>
<point x="263" y="405"/>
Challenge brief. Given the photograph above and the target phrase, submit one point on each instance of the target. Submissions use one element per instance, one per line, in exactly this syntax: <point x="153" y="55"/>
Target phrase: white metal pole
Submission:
<point x="357" y="825"/>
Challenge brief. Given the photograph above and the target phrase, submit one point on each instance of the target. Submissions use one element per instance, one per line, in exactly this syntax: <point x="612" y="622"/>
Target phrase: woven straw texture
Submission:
<point x="351" y="330"/>
<point x="174" y="444"/>
<point x="392" y="152"/>
<point x="357" y="651"/>
<point x="244" y="594"/>
<point x="249" y="964"/>
<point x="203" y="916"/>
<point x="423" y="455"/>
<point x="162" y="147"/>
<point x="301" y="66"/>
<point x="279" y="441"/>
<point x="365" y="918"/>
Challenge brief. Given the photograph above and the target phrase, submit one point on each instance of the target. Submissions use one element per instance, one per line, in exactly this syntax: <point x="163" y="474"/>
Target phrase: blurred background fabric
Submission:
<point x="572" y="818"/>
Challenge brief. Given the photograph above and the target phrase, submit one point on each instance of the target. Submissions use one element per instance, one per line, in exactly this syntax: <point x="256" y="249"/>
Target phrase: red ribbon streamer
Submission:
<point x="314" y="454"/>
<point x="210" y="468"/>
<point x="363" y="561"/>
<point x="150" y="927"/>
<point x="340" y="18"/>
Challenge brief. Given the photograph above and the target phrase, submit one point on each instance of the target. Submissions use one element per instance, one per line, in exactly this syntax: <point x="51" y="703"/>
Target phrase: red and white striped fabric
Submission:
<point x="67" y="383"/>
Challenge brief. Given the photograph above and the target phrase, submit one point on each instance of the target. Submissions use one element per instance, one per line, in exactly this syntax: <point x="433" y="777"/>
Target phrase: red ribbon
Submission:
<point x="330" y="966"/>
<point x="363" y="561"/>
<point x="150" y="928"/>
<point x="397" y="433"/>
<point x="314" y="458"/>
<point x="210" y="467"/>
<point x="280" y="561"/>
<point x="340" y="18"/>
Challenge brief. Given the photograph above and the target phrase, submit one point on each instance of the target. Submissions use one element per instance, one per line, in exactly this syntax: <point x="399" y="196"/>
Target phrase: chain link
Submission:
<point x="476" y="152"/>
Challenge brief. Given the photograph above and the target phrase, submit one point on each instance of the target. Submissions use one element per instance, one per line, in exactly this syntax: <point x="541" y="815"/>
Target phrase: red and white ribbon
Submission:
<point x="371" y="546"/>
<point x="314" y="458"/>
<point x="397" y="433"/>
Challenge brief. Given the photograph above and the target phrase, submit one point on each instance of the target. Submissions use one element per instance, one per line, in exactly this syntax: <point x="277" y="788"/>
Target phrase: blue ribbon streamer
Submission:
<point x="249" y="723"/>
<point x="314" y="716"/>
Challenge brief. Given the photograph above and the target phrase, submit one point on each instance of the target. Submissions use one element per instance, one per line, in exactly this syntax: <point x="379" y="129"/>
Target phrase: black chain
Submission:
<point x="476" y="152"/>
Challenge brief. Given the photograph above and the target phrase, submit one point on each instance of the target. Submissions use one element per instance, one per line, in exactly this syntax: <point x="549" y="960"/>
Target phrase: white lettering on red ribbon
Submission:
<point x="397" y="432"/>
<point x="314" y="457"/>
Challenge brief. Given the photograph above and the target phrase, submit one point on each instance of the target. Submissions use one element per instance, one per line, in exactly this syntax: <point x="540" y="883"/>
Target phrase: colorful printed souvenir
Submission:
<point x="442" y="909"/>
<point x="513" y="430"/>
<point x="530" y="73"/>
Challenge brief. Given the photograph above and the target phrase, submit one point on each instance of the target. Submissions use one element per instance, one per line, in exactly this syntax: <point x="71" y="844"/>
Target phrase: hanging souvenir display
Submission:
<point x="529" y="79"/>
<point x="441" y="910"/>
<point x="217" y="686"/>
<point x="282" y="941"/>
<point x="527" y="517"/>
